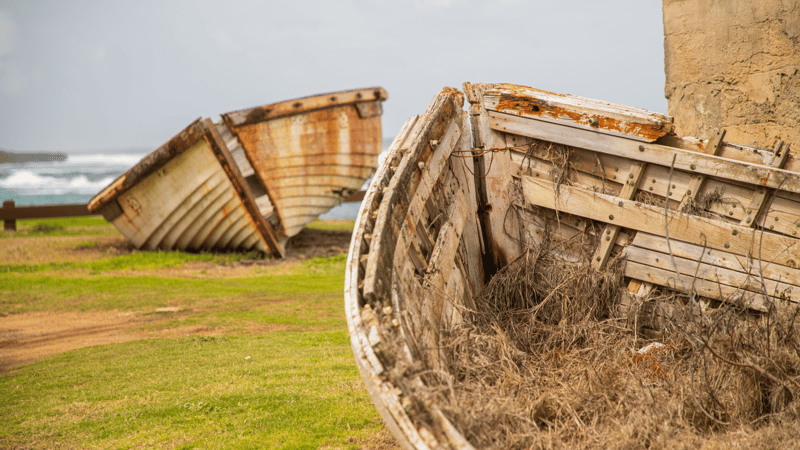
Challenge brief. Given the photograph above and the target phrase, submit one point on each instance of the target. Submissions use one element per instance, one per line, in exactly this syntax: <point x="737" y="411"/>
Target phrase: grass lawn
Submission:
<point x="228" y="352"/>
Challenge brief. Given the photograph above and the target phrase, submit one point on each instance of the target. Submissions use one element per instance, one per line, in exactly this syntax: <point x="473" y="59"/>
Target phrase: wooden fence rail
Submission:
<point x="9" y="213"/>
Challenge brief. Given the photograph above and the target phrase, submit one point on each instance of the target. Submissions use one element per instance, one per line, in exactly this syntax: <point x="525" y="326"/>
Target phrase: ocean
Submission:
<point x="74" y="180"/>
<point x="83" y="174"/>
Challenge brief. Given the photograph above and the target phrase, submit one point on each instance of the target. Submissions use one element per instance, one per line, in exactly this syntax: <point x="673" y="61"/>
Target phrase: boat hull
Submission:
<point x="186" y="195"/>
<point x="462" y="195"/>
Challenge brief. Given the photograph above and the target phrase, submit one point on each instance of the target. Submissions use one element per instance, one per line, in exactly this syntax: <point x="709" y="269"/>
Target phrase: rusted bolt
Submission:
<point x="620" y="203"/>
<point x="748" y="220"/>
<point x="616" y="169"/>
<point x="771" y="227"/>
<point x="608" y="231"/>
<point x="614" y="177"/>
<point x="651" y="188"/>
<point x="598" y="258"/>
<point x="730" y="213"/>
<point x="689" y="192"/>
<point x="630" y="175"/>
<point x="734" y="232"/>
<point x="641" y="148"/>
<point x="593" y="121"/>
<point x="727" y="245"/>
<point x="692" y="166"/>
<point x="610" y="217"/>
<point x="421" y="165"/>
<point x="776" y="219"/>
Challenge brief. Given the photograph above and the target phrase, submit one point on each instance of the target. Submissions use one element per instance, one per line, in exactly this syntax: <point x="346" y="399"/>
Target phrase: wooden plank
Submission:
<point x="574" y="111"/>
<point x="754" y="209"/>
<point x="362" y="234"/>
<point x="494" y="181"/>
<point x="10" y="211"/>
<point x="690" y="268"/>
<point x="703" y="288"/>
<point x="638" y="216"/>
<point x="290" y="107"/>
<point x="650" y="153"/>
<point x="718" y="258"/>
<point x="440" y="268"/>
<point x="591" y="169"/>
<point x="406" y="244"/>
<point x="392" y="212"/>
<point x="463" y="168"/>
<point x="609" y="236"/>
<point x="713" y="147"/>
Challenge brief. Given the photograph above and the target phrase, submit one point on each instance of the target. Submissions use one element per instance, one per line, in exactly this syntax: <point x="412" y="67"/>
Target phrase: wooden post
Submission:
<point x="9" y="224"/>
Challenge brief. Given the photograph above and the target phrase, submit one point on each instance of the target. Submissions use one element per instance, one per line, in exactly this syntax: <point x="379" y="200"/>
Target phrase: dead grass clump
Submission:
<point x="544" y="363"/>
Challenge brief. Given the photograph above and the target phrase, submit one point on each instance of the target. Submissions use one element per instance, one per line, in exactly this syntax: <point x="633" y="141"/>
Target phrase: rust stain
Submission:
<point x="522" y="105"/>
<point x="331" y="141"/>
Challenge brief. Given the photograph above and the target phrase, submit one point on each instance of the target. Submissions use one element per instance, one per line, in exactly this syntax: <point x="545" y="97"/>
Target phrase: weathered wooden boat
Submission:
<point x="251" y="181"/>
<point x="461" y="193"/>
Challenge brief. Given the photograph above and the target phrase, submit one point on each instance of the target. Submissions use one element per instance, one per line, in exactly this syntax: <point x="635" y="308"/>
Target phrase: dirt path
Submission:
<point x="27" y="337"/>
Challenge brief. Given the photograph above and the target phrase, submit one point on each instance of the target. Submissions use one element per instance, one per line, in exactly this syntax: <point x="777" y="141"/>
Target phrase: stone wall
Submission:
<point x="734" y="64"/>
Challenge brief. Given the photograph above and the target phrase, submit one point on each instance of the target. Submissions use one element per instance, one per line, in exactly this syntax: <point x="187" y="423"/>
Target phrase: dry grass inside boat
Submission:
<point x="546" y="362"/>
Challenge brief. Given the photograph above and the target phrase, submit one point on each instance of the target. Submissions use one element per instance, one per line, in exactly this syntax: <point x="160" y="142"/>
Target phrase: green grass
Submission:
<point x="136" y="260"/>
<point x="68" y="226"/>
<point x="288" y="390"/>
<point x="335" y="225"/>
<point x="277" y="373"/>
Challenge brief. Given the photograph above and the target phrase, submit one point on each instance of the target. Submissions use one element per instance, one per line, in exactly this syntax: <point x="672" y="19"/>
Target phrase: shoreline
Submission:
<point x="7" y="157"/>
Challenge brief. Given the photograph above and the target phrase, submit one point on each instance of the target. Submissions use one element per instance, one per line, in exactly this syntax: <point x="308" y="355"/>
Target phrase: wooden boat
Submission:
<point x="460" y="194"/>
<point x="251" y="181"/>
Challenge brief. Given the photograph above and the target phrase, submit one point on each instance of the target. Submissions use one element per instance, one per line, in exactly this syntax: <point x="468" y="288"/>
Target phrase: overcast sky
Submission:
<point x="100" y="75"/>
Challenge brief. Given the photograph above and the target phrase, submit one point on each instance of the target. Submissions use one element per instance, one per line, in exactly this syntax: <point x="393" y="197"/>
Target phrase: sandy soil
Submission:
<point x="27" y="337"/>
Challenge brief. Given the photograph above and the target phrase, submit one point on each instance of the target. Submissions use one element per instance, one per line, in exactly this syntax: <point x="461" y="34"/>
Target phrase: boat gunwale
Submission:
<point x="256" y="114"/>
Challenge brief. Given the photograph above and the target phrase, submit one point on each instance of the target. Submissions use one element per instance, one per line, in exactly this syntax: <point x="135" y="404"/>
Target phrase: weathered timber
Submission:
<point x="687" y="161"/>
<point x="463" y="194"/>
<point x="642" y="217"/>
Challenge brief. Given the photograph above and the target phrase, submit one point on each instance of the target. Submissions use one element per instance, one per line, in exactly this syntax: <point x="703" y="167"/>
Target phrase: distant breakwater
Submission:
<point x="11" y="157"/>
